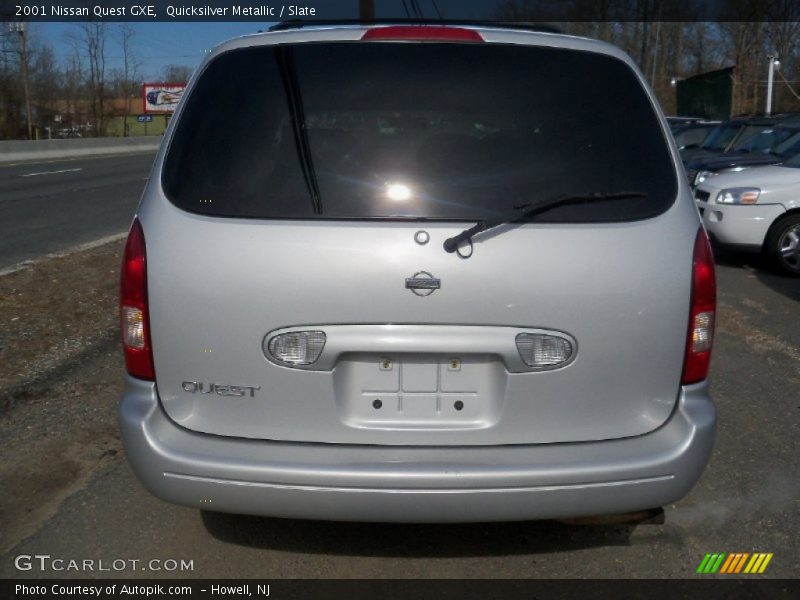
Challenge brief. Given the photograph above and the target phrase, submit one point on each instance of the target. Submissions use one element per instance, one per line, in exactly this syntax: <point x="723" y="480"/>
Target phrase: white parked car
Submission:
<point x="756" y="209"/>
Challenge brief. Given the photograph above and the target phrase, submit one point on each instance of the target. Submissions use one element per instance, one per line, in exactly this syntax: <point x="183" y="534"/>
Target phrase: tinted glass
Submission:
<point x="790" y="147"/>
<point x="748" y="132"/>
<point x="691" y="135"/>
<point x="765" y="140"/>
<point x="431" y="131"/>
<point x="793" y="162"/>
<point x="721" y="137"/>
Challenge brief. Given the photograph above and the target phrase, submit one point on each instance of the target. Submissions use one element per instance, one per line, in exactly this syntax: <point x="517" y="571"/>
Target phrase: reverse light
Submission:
<point x="743" y="195"/>
<point x="700" y="338"/>
<point x="134" y="319"/>
<point x="133" y="327"/>
<point x="296" y="347"/>
<point x="543" y="351"/>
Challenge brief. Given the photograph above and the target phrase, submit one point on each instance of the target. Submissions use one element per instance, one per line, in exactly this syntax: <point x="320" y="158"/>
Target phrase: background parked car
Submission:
<point x="678" y="121"/>
<point x="691" y="136"/>
<point x="756" y="210"/>
<point x="784" y="151"/>
<point x="730" y="135"/>
<point x="718" y="141"/>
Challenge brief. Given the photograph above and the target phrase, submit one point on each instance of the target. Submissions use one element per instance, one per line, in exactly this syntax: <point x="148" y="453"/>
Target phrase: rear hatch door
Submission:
<point x="310" y="187"/>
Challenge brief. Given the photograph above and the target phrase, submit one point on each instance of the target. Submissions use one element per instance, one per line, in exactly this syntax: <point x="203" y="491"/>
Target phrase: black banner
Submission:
<point x="355" y="589"/>
<point x="264" y="11"/>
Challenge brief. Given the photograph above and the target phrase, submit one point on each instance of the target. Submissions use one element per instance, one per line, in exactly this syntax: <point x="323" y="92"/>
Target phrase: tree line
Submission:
<point x="668" y="50"/>
<point x="77" y="94"/>
<point x="43" y="94"/>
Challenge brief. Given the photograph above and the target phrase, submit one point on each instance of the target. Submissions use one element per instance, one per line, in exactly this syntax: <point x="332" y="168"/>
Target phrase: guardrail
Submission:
<point x="15" y="150"/>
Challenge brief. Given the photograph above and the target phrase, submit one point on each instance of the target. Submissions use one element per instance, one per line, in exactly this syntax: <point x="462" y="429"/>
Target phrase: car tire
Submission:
<point x="782" y="245"/>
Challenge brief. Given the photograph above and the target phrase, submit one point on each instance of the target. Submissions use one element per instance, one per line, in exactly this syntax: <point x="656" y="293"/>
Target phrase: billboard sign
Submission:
<point x="161" y="97"/>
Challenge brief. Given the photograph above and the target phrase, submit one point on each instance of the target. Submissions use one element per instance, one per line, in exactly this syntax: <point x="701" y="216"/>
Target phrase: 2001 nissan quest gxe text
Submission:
<point x="417" y="273"/>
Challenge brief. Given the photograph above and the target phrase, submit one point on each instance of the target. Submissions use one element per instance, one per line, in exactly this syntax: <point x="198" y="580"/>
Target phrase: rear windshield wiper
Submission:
<point x="294" y="100"/>
<point x="522" y="211"/>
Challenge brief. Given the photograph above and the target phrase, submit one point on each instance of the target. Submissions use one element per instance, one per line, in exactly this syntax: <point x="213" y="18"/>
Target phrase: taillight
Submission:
<point x="700" y="338"/>
<point x="423" y="32"/>
<point x="134" y="320"/>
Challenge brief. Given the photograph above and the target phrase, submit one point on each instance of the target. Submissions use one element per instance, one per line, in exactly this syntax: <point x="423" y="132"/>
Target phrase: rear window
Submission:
<point x="364" y="130"/>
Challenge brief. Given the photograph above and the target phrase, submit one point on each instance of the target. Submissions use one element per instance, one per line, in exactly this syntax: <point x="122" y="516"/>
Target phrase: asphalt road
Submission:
<point x="48" y="206"/>
<point x="748" y="499"/>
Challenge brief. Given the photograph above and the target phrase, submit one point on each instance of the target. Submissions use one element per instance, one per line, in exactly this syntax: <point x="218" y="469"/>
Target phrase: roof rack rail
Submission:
<point x="524" y="26"/>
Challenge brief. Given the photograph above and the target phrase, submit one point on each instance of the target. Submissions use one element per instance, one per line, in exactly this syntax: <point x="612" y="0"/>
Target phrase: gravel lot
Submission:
<point x="60" y="368"/>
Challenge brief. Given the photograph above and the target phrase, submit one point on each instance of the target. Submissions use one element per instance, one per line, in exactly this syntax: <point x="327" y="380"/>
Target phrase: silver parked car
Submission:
<point x="756" y="210"/>
<point x="412" y="273"/>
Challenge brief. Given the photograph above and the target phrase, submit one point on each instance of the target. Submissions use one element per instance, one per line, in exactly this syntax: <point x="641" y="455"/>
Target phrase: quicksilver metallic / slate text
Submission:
<point x="237" y="10"/>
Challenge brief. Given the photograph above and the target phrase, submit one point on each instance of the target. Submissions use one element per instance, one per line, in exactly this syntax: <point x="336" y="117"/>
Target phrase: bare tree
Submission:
<point x="783" y="34"/>
<point x="46" y="84"/>
<point x="90" y="42"/>
<point x="177" y="73"/>
<point x="73" y="87"/>
<point x="743" y="40"/>
<point x="9" y="96"/>
<point x="19" y="30"/>
<point x="130" y="68"/>
<point x="673" y="49"/>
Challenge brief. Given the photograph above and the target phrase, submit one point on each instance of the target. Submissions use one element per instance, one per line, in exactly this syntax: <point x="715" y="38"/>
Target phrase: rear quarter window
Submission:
<point x="446" y="131"/>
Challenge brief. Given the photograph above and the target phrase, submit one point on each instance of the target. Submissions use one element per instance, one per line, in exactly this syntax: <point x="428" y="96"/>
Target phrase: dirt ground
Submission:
<point x="59" y="316"/>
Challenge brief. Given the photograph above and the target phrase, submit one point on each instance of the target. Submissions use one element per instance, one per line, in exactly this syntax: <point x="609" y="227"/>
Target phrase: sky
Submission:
<point x="156" y="44"/>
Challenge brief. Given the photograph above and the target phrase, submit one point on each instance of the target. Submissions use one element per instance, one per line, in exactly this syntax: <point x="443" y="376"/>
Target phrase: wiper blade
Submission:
<point x="522" y="211"/>
<point x="294" y="100"/>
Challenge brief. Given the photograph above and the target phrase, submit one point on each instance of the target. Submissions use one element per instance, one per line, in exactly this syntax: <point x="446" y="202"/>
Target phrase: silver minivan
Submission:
<point x="417" y="273"/>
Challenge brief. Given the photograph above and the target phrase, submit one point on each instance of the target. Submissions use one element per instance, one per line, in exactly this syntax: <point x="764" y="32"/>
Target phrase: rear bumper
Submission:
<point x="416" y="484"/>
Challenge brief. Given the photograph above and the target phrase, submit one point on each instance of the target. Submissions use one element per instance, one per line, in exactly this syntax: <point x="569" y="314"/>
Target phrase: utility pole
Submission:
<point x="655" y="52"/>
<point x="774" y="63"/>
<point x="19" y="27"/>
